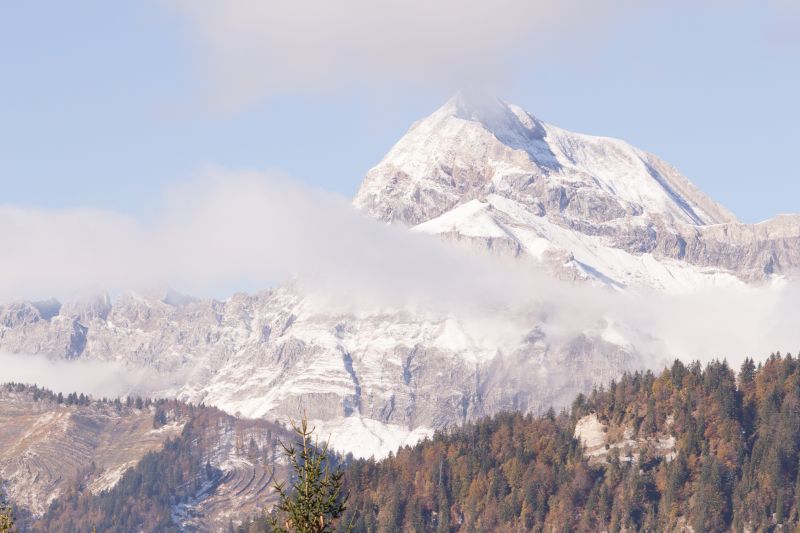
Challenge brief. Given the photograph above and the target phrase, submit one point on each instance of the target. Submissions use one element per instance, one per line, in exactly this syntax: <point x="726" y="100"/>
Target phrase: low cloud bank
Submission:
<point x="719" y="323"/>
<point x="253" y="230"/>
<point x="96" y="378"/>
<point x="246" y="229"/>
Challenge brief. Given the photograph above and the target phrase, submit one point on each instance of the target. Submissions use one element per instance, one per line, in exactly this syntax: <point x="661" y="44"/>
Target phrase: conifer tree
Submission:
<point x="315" y="501"/>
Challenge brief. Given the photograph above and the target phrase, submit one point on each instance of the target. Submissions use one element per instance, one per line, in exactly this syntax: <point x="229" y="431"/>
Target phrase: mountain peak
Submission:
<point x="509" y="123"/>
<point x="468" y="104"/>
<point x="477" y="144"/>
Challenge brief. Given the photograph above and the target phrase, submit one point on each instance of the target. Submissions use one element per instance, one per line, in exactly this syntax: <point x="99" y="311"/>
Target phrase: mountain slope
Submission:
<point x="566" y="193"/>
<point x="484" y="175"/>
<point x="278" y="353"/>
<point x="68" y="464"/>
<point x="472" y="147"/>
<point x="689" y="449"/>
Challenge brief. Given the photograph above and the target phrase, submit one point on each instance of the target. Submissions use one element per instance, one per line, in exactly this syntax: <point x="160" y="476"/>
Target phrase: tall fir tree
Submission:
<point x="315" y="501"/>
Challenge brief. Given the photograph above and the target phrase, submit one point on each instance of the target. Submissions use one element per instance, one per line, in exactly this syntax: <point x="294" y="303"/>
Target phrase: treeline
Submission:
<point x="161" y="407"/>
<point x="74" y="398"/>
<point x="7" y="524"/>
<point x="731" y="464"/>
<point x="734" y="465"/>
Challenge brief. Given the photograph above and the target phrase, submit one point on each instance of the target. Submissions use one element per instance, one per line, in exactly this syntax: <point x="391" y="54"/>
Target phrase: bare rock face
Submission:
<point x="275" y="354"/>
<point x="602" y="438"/>
<point x="33" y="329"/>
<point x="752" y="251"/>
<point x="483" y="175"/>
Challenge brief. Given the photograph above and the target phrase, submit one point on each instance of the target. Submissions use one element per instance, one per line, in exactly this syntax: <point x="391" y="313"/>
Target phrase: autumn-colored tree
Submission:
<point x="6" y="519"/>
<point x="734" y="462"/>
<point x="315" y="501"/>
<point x="700" y="447"/>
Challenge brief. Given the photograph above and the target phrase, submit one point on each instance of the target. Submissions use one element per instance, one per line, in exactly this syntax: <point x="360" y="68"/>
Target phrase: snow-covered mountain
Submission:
<point x="484" y="175"/>
<point x="491" y="175"/>
<point x="475" y="146"/>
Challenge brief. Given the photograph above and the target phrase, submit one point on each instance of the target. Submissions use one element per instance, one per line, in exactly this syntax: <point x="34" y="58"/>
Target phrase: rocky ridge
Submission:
<point x="484" y="175"/>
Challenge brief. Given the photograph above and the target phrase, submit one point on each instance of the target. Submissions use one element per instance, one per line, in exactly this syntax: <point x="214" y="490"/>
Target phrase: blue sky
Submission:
<point x="104" y="104"/>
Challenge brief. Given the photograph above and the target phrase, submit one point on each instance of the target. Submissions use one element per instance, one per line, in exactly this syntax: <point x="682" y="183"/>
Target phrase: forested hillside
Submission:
<point x="706" y="448"/>
<point x="146" y="495"/>
<point x="692" y="448"/>
<point x="71" y="463"/>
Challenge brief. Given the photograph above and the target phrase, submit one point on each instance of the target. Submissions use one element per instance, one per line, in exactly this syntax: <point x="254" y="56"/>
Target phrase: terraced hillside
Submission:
<point x="46" y="445"/>
<point x="247" y="456"/>
<point x="63" y="459"/>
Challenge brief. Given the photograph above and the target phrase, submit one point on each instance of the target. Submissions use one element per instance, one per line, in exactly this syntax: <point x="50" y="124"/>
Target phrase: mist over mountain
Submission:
<point x="508" y="265"/>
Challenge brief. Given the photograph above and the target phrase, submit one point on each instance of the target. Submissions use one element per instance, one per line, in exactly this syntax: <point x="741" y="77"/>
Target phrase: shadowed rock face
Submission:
<point x="752" y="251"/>
<point x="26" y="328"/>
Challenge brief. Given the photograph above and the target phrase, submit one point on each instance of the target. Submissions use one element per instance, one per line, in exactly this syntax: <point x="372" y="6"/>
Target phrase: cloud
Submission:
<point x="250" y="49"/>
<point x="50" y="252"/>
<point x="785" y="17"/>
<point x="234" y="230"/>
<point x="97" y="378"/>
<point x="228" y="230"/>
<point x="720" y="323"/>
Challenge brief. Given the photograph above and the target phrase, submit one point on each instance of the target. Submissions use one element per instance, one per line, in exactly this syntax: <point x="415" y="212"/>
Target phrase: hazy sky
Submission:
<point x="105" y="104"/>
<point x="131" y="130"/>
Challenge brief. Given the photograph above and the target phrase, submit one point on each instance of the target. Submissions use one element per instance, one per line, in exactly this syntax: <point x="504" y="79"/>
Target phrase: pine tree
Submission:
<point x="315" y="501"/>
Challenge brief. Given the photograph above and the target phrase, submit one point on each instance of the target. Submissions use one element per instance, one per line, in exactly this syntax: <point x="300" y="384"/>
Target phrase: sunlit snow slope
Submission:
<point x="479" y="174"/>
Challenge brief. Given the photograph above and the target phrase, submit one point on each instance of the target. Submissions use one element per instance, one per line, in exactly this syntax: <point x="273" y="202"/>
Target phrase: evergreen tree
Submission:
<point x="315" y="502"/>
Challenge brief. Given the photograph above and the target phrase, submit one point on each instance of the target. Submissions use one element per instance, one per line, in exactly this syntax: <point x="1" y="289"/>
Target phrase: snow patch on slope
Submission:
<point x="365" y="438"/>
<point x="501" y="217"/>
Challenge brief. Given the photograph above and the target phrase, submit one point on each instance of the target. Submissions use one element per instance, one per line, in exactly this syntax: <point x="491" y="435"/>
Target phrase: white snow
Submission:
<point x="592" y="255"/>
<point x="365" y="438"/>
<point x="492" y="138"/>
<point x="469" y="219"/>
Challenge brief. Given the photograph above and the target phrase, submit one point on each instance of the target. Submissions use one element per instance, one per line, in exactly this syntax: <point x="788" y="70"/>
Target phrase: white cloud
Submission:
<point x="718" y="323"/>
<point x="98" y="378"/>
<point x="50" y="252"/>
<point x="249" y="49"/>
<point x="229" y="230"/>
<point x="233" y="230"/>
